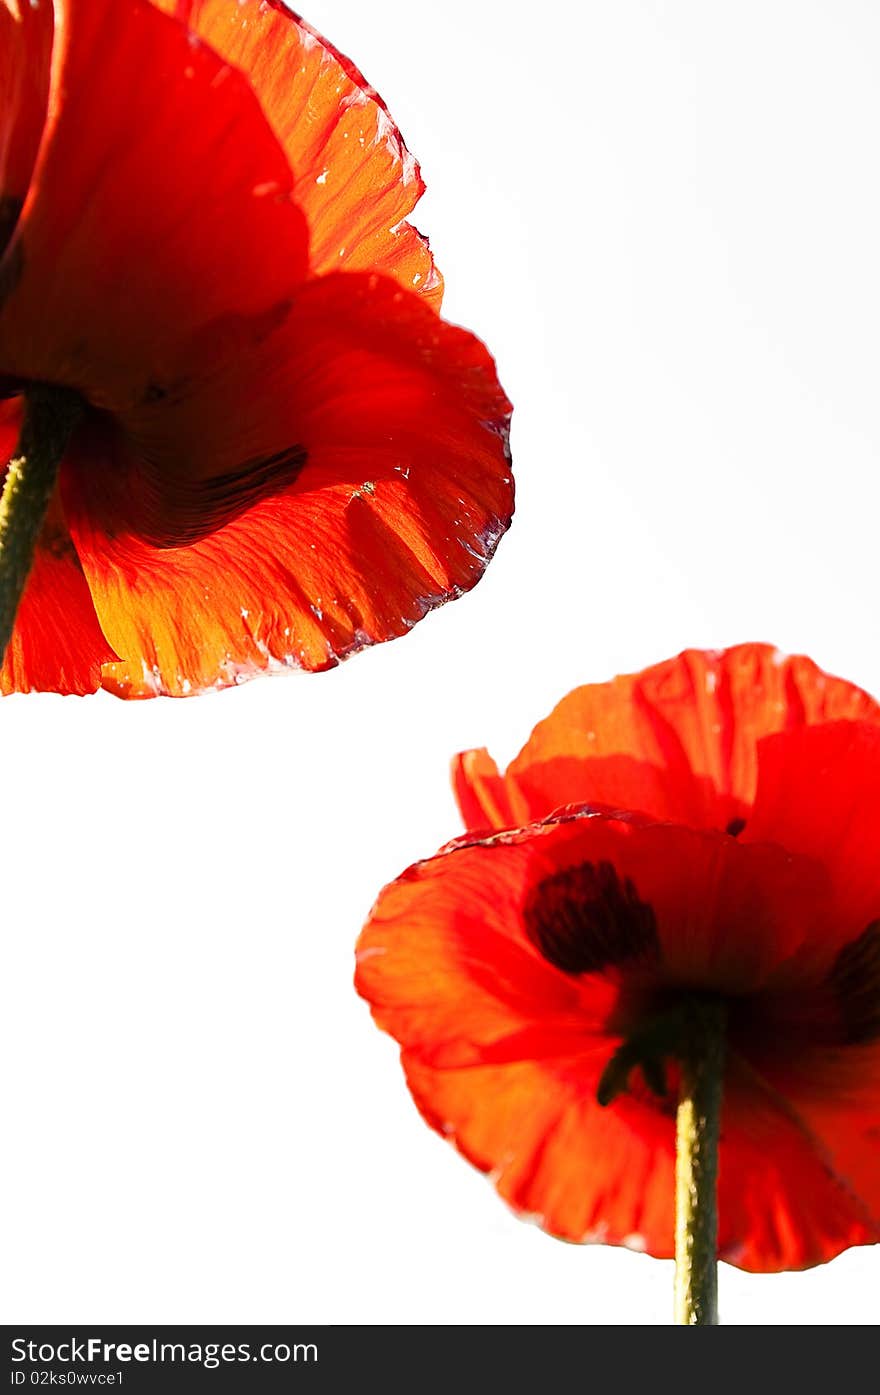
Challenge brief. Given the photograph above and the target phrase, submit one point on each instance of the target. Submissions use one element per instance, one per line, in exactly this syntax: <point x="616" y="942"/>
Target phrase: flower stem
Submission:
<point x="696" y="1166"/>
<point x="49" y="418"/>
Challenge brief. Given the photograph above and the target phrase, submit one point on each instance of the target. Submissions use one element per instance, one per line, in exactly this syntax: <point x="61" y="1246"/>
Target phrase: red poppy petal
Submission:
<point x="582" y="1172"/>
<point x="586" y="1173"/>
<point x="677" y="741"/>
<point x="501" y="1051"/>
<point x="817" y="795"/>
<point x="486" y="798"/>
<point x="57" y="644"/>
<point x="159" y="220"/>
<point x="731" y="917"/>
<point x="449" y="971"/>
<point x="25" y="51"/>
<point x="699" y="909"/>
<point x="356" y="181"/>
<point x="377" y="486"/>
<point x="837" y="1095"/>
<point x="786" y="1199"/>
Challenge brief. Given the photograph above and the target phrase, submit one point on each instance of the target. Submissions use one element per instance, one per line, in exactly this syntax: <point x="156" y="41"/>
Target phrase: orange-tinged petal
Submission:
<point x="582" y="1172"/>
<point x="57" y="644"/>
<point x="678" y="741"/>
<point x="280" y="462"/>
<point x="376" y="486"/>
<point x="449" y="971"/>
<point x="589" y="1174"/>
<point x="159" y="221"/>
<point x="356" y="182"/>
<point x="486" y="798"/>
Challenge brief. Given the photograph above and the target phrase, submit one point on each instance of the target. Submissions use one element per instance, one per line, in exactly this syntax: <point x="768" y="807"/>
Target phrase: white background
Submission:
<point x="664" y="220"/>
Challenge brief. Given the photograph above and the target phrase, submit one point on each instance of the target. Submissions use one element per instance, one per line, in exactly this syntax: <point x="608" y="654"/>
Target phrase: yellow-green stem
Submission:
<point x="696" y="1166"/>
<point x="49" y="417"/>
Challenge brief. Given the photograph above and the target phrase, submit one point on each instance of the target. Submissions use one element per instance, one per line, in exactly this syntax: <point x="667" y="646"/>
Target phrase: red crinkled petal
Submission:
<point x="159" y="228"/>
<point x="589" y="1174"/>
<point x="582" y="1172"/>
<point x="376" y="487"/>
<point x="57" y="644"/>
<point x="356" y="182"/>
<point x="503" y="1050"/>
<point x="678" y="741"/>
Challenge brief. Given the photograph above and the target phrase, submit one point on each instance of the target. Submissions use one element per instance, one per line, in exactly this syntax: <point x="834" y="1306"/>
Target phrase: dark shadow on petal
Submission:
<point x="855" y="982"/>
<point x="194" y="509"/>
<point x="585" y="919"/>
<point x="10" y="208"/>
<point x="11" y="249"/>
<point x="168" y="510"/>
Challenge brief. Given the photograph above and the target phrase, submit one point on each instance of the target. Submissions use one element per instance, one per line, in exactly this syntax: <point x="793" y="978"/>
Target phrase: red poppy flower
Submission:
<point x="284" y="454"/>
<point x="719" y="837"/>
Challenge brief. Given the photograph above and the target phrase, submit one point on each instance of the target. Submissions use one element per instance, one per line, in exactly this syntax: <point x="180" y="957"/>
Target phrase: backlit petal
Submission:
<point x="159" y="228"/>
<point x="356" y="182"/>
<point x="375" y="441"/>
<point x="678" y="741"/>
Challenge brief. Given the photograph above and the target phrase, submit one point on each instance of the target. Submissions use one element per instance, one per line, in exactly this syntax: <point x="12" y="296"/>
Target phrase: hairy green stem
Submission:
<point x="696" y="1166"/>
<point x="49" y="418"/>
